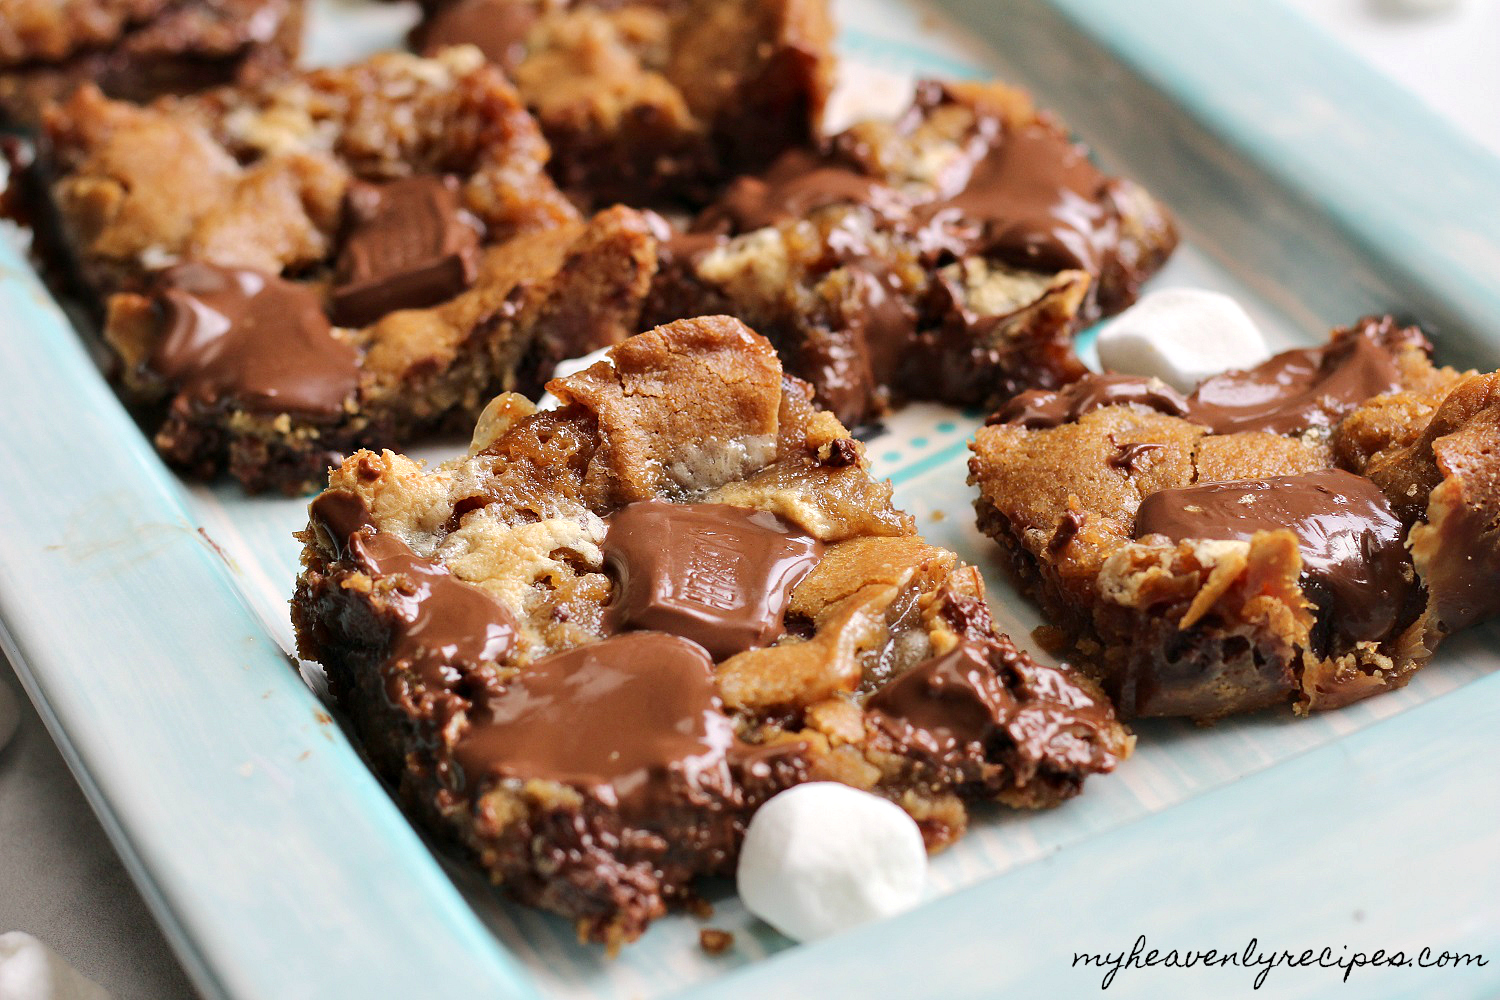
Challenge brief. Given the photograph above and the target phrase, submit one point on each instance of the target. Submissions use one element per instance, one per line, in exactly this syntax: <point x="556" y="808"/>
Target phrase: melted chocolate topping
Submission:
<point x="410" y="245"/>
<point x="497" y="27"/>
<point x="630" y="720"/>
<point x="799" y="182"/>
<point x="241" y="337"/>
<point x="944" y="705"/>
<point x="339" y="513"/>
<point x="1041" y="408"/>
<point x="1353" y="559"/>
<point x="445" y="624"/>
<point x="718" y="575"/>
<point x="1035" y="201"/>
<point x="1301" y="389"/>
<point x="1292" y="392"/>
<point x="1129" y="456"/>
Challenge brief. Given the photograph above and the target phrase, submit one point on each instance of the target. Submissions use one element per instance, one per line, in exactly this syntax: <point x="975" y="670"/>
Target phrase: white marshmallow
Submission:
<point x="1399" y="7"/>
<point x="1182" y="336"/>
<point x="570" y="366"/>
<point x="10" y="714"/>
<point x="822" y="857"/>
<point x="29" y="970"/>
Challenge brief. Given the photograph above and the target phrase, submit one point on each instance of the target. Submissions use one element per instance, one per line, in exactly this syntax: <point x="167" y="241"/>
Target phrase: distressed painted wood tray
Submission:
<point x="148" y="618"/>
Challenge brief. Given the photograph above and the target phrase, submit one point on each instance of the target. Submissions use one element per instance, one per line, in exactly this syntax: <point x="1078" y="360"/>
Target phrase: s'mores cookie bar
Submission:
<point x="1304" y="532"/>
<point x="589" y="649"/>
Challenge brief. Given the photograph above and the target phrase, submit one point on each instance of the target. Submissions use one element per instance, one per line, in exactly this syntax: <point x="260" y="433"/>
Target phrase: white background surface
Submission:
<point x="59" y="878"/>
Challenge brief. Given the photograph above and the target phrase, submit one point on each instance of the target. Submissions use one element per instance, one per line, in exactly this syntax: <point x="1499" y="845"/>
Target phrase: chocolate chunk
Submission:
<point x="718" y="575"/>
<point x="1034" y="201"/>
<point x="410" y="245"/>
<point x="944" y="705"/>
<point x="633" y="720"/>
<point x="1067" y="530"/>
<point x="842" y="452"/>
<point x="339" y="514"/>
<point x="1041" y="408"/>
<point x="497" y="27"/>
<point x="1351" y="541"/>
<point x="244" y="338"/>
<point x="446" y="627"/>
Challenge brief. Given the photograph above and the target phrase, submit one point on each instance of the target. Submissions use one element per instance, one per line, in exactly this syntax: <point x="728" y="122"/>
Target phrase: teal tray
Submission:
<point x="147" y="619"/>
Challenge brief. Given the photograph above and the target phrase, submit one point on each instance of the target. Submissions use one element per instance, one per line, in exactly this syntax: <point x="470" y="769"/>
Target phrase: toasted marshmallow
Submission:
<point x="1182" y="336"/>
<point x="571" y="366"/>
<point x="823" y="857"/>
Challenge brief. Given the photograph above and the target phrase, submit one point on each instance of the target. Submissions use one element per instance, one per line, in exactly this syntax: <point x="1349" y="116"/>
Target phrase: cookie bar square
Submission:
<point x="586" y="651"/>
<point x="951" y="255"/>
<point x="338" y="259"/>
<point x="1304" y="532"/>
<point x="138" y="50"/>
<point x="654" y="102"/>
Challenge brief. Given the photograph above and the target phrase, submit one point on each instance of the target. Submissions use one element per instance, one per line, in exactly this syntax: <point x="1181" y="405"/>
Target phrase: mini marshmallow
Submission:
<point x="822" y="857"/>
<point x="10" y="714"/>
<point x="29" y="970"/>
<point x="570" y="366"/>
<point x="1417" y="6"/>
<point x="1182" y="336"/>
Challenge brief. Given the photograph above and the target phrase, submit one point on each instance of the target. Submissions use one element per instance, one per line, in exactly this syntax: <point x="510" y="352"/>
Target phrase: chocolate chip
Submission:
<point x="841" y="452"/>
<point x="1128" y="456"/>
<point x="1068" y="527"/>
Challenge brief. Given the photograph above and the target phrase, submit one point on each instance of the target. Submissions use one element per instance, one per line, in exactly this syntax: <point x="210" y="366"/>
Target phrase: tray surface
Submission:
<point x="148" y="619"/>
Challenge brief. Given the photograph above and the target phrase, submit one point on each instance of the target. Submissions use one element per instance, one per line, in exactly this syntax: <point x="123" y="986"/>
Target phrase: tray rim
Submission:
<point x="218" y="945"/>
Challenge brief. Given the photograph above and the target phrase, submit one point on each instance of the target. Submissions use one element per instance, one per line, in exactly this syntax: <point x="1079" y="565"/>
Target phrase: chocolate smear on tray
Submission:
<point x="410" y="245"/>
<point x="633" y="720"/>
<point x="242" y="337"/>
<point x="1354" y="561"/>
<point x="716" y="574"/>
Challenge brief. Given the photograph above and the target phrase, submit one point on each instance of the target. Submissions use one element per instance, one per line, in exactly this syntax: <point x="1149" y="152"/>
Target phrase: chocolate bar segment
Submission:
<point x="410" y="245"/>
<point x="718" y="575"/>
